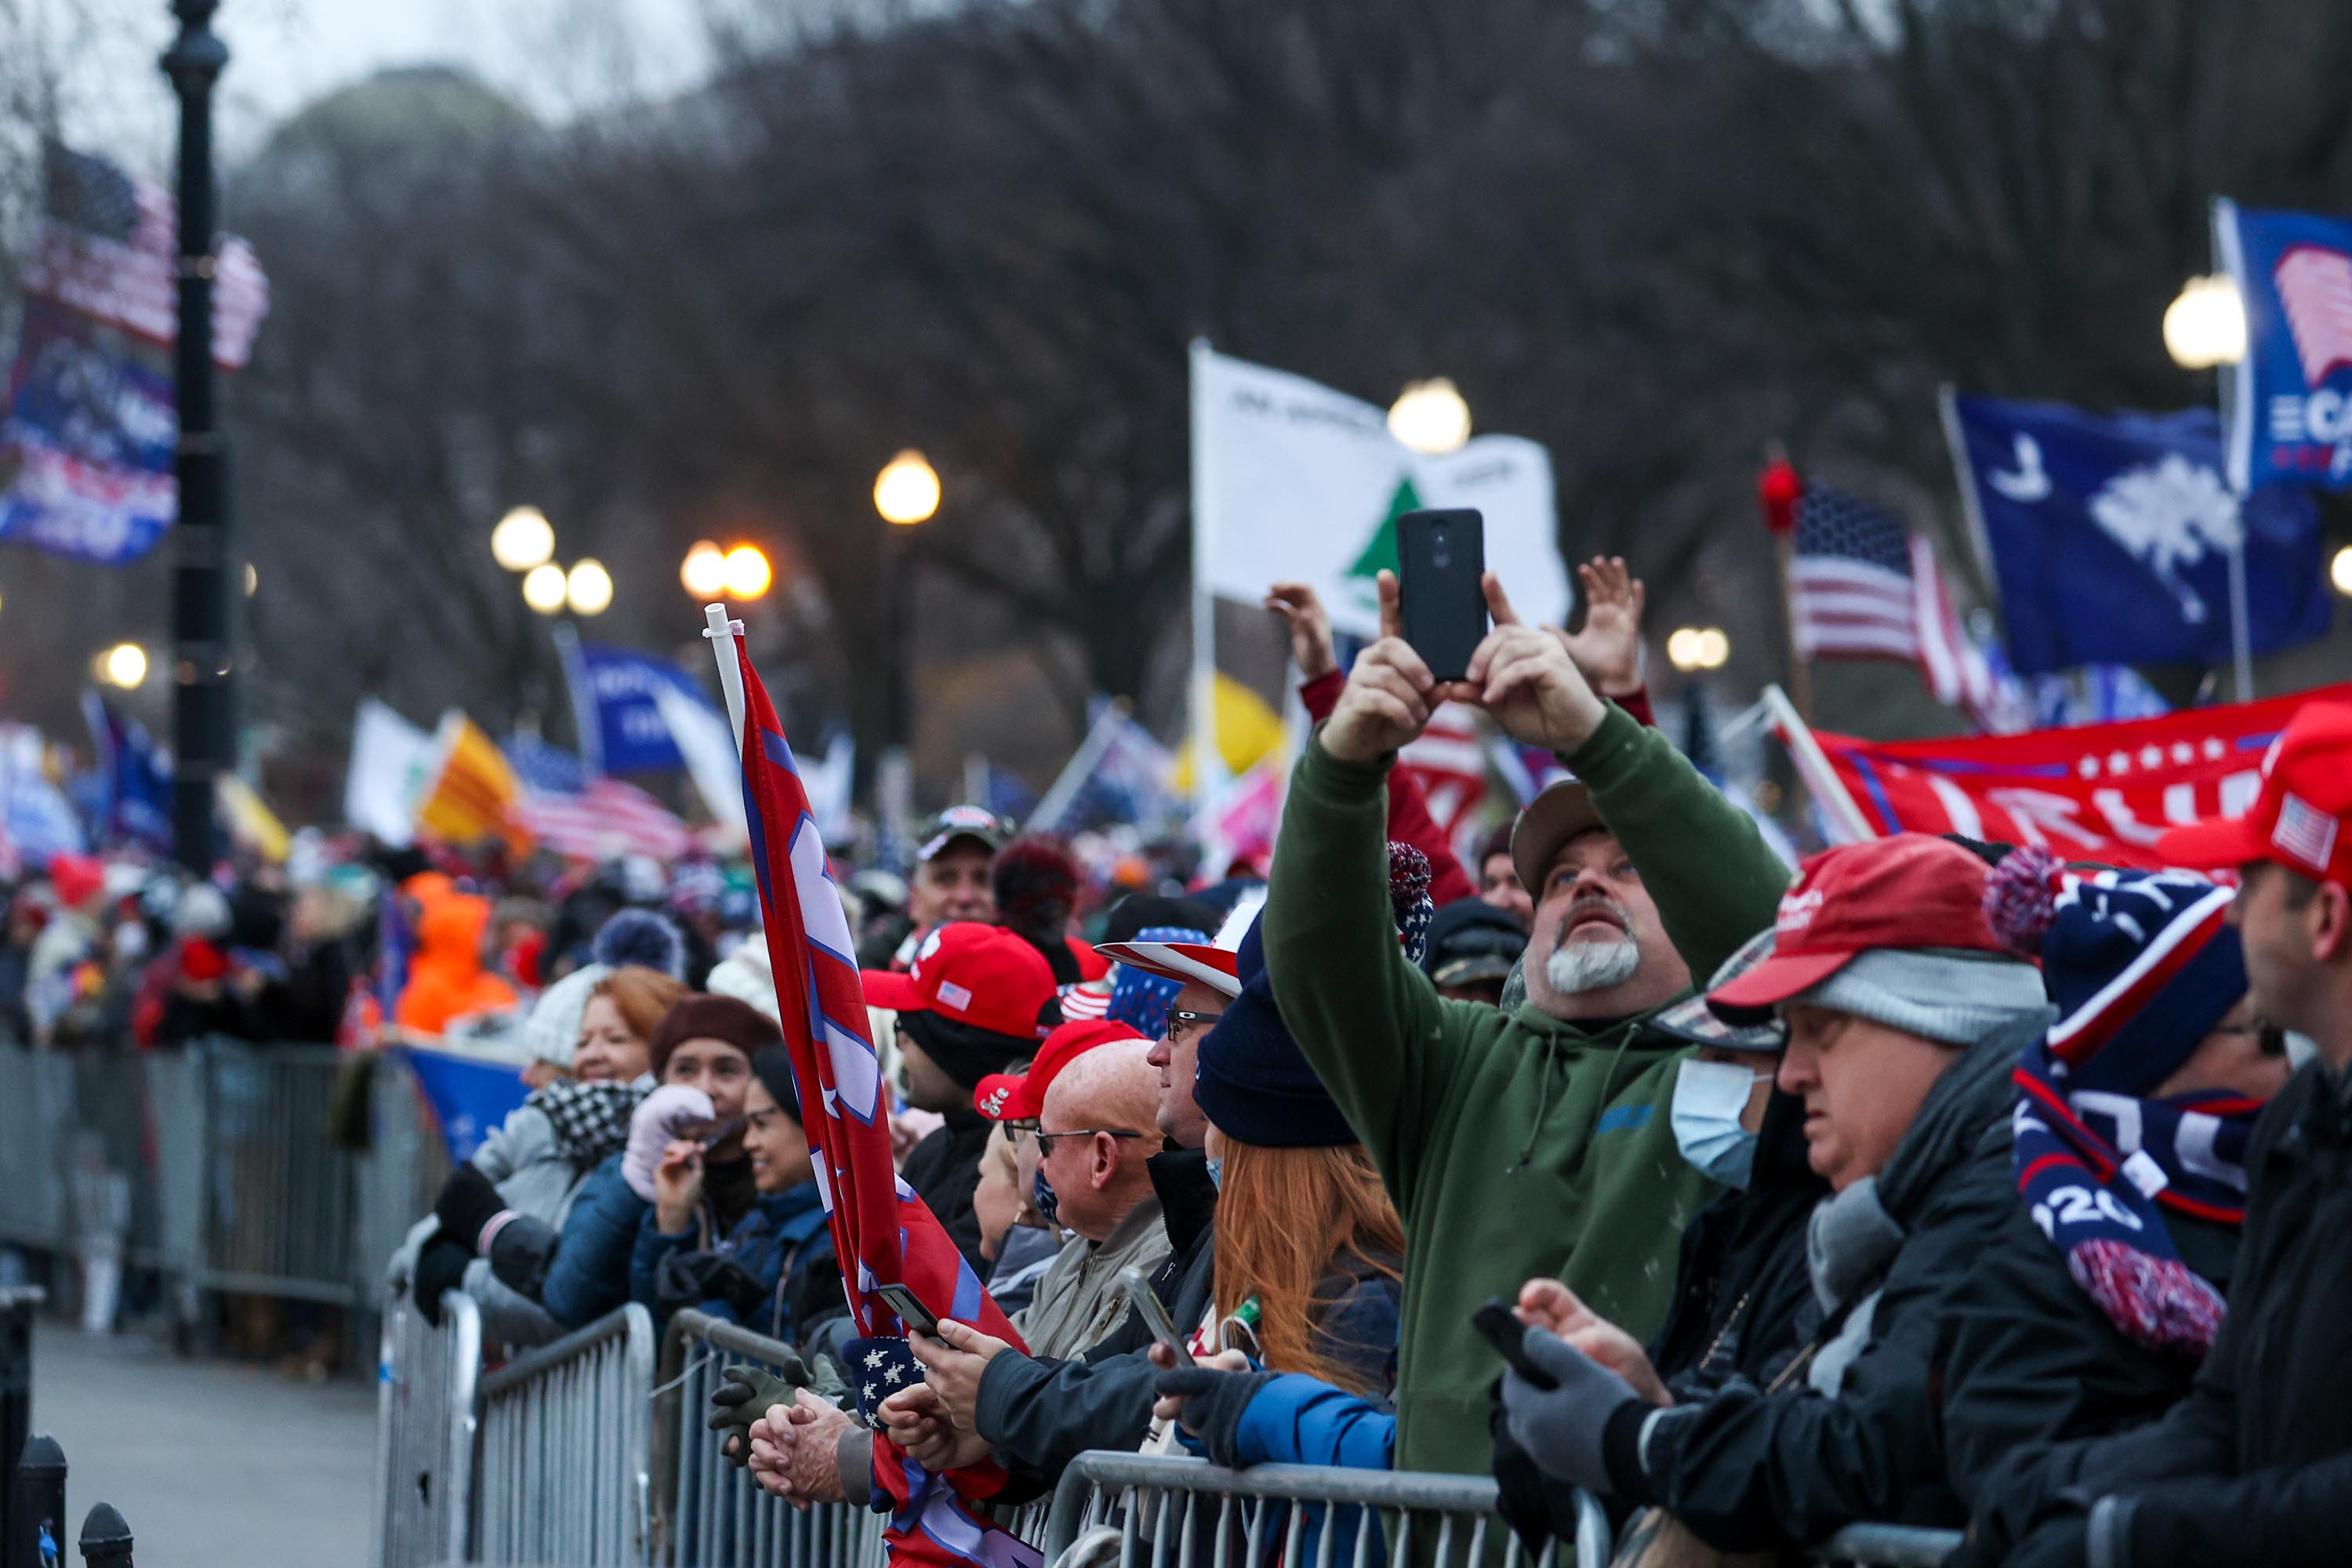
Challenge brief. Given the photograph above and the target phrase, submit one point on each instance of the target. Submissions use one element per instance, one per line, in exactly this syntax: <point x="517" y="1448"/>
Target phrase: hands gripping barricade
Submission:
<point x="574" y="1454"/>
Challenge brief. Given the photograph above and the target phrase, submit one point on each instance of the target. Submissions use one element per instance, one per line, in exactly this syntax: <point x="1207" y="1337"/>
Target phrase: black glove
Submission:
<point x="440" y="1266"/>
<point x="467" y="1203"/>
<point x="2011" y="1519"/>
<point x="1214" y="1402"/>
<point x="744" y="1394"/>
<point x="1539" y="1510"/>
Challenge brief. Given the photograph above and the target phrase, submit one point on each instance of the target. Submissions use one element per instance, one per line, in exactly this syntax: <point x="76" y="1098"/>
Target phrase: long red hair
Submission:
<point x="1287" y="1219"/>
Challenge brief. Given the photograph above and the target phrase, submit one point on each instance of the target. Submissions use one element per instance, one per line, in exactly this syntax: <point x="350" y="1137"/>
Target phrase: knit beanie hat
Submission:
<point x="550" y="1032"/>
<point x="1253" y="1082"/>
<point x="772" y="1064"/>
<point x="1958" y="997"/>
<point x="1409" y="899"/>
<point x="699" y="1016"/>
<point x="746" y="976"/>
<point x="2142" y="964"/>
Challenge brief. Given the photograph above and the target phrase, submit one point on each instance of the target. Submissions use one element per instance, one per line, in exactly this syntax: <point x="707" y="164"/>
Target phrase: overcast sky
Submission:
<point x="556" y="54"/>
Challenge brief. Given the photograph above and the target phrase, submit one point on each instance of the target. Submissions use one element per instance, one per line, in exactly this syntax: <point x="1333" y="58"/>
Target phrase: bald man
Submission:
<point x="1095" y="1130"/>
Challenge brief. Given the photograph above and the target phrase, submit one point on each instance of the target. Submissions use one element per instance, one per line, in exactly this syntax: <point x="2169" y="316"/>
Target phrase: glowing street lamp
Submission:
<point x="1430" y="416"/>
<point x="543" y="587"/>
<point x="523" y="539"/>
<point x="588" y="587"/>
<point x="1692" y="648"/>
<point x="746" y="571"/>
<point x="2205" y="325"/>
<point x="704" y="570"/>
<point x="123" y="665"/>
<point x="2339" y="571"/>
<point x="907" y="491"/>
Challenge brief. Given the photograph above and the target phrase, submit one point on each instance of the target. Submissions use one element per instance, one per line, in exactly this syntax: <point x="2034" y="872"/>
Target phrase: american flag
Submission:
<point x="883" y="1232"/>
<point x="573" y="814"/>
<point x="108" y="248"/>
<point x="1863" y="586"/>
<point x="1450" y="764"/>
<point x="2315" y="288"/>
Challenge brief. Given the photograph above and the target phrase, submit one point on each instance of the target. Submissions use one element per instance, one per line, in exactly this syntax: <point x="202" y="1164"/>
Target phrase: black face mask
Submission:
<point x="1046" y="1201"/>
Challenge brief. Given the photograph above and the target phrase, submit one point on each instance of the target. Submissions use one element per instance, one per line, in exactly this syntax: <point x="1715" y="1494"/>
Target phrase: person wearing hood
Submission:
<point x="446" y="979"/>
<point x="774" y="1271"/>
<point x="1949" y="1328"/>
<point x="976" y="1000"/>
<point x="1536" y="1141"/>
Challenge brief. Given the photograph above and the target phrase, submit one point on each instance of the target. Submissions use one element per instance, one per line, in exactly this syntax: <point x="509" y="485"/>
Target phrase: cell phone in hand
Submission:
<point x="1135" y="1286"/>
<point x="1441" y="558"/>
<point x="1499" y="1328"/>
<point x="723" y="1132"/>
<point x="909" y="1308"/>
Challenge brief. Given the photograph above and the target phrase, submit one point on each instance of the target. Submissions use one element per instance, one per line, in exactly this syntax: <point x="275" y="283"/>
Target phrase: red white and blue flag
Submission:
<point x="884" y="1234"/>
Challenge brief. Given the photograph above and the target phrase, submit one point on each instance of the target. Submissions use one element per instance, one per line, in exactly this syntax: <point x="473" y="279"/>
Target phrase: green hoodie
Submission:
<point x="1514" y="1147"/>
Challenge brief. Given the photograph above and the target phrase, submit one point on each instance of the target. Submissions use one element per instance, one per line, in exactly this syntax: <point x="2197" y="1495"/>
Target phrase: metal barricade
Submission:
<point x="1123" y="1506"/>
<point x="36" y="1116"/>
<point x="710" y="1514"/>
<point x="279" y="1222"/>
<point x="1889" y="1546"/>
<point x="566" y="1449"/>
<point x="425" y="1432"/>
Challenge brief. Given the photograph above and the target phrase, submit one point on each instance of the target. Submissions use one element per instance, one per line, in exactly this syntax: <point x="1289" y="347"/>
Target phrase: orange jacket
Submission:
<point x="446" y="977"/>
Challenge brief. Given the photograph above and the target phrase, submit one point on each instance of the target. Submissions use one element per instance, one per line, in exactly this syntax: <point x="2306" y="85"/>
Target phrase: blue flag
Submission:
<point x="622" y="728"/>
<point x="2110" y="537"/>
<point x="470" y="1098"/>
<point x="87" y="443"/>
<point x="134" y="800"/>
<point x="2291" y="403"/>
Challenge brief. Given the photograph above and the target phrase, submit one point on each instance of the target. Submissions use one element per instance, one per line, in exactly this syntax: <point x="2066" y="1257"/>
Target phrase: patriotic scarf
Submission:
<point x="2143" y="966"/>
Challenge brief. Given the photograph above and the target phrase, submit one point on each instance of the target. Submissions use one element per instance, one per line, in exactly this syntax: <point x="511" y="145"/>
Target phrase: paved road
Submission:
<point x="213" y="1464"/>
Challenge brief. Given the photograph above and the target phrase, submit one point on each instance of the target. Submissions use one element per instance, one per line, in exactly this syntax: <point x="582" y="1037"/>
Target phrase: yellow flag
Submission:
<point x="1247" y="729"/>
<point x="473" y="790"/>
<point x="249" y="820"/>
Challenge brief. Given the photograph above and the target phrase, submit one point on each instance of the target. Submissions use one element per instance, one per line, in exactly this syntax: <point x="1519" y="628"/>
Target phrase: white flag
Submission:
<point x="1301" y="482"/>
<point x="711" y="761"/>
<point x="390" y="760"/>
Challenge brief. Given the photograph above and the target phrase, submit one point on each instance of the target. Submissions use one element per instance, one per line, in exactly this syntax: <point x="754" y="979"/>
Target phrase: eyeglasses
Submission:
<point x="1178" y="1021"/>
<point x="1045" y="1139"/>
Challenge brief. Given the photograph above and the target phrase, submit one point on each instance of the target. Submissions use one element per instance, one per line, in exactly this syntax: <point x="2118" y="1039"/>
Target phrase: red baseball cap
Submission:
<point x="2299" y="818"/>
<point x="982" y="976"/>
<point x="1912" y="890"/>
<point x="1021" y="1097"/>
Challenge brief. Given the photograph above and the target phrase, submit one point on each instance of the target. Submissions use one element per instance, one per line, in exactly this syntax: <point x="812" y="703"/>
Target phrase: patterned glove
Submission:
<point x="744" y="1394"/>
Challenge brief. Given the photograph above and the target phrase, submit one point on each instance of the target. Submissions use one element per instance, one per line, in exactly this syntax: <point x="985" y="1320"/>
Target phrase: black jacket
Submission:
<point x="2255" y="1465"/>
<point x="944" y="1171"/>
<point x="1976" y="1339"/>
<point x="1740" y="1287"/>
<point x="1039" y="1415"/>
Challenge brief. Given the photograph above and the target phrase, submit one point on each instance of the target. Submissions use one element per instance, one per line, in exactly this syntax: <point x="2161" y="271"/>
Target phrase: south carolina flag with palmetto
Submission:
<point x="885" y="1233"/>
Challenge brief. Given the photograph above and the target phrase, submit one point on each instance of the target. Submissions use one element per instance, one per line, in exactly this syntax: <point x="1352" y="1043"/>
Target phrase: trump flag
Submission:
<point x="2291" y="394"/>
<point x="2102" y="792"/>
<point x="884" y="1234"/>
<point x="2110" y="536"/>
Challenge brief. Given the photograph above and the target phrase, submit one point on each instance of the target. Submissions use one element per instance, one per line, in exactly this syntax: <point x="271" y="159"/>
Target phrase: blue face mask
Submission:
<point x="1043" y="1199"/>
<point x="1708" y="1099"/>
<point x="1217" y="1173"/>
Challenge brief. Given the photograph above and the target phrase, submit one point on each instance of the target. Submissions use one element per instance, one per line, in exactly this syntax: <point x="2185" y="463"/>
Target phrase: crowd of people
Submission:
<point x="1933" y="1182"/>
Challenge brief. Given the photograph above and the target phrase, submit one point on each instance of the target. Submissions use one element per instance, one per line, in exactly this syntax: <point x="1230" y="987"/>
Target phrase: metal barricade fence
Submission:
<point x="280" y="1218"/>
<point x="565" y="1474"/>
<point x="710" y="1513"/>
<point x="1114" y="1507"/>
<point x="425" y="1432"/>
<point x="1889" y="1546"/>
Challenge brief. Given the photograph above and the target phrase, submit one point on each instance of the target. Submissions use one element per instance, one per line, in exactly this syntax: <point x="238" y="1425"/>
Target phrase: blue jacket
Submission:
<point x="590" y="1275"/>
<point x="1299" y="1420"/>
<point x="784" y="1245"/>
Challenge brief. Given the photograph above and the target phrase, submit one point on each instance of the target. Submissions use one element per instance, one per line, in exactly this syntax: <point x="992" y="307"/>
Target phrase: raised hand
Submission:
<point x="1389" y="693"/>
<point x="678" y="1183"/>
<point x="1522" y="675"/>
<point x="1310" y="628"/>
<point x="1609" y="648"/>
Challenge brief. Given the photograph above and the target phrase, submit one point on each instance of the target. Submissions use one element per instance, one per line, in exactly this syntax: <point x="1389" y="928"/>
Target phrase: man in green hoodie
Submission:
<point x="1537" y="1143"/>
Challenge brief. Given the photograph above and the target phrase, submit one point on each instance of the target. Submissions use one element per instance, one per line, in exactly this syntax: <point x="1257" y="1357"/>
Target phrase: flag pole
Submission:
<point x="1066" y="784"/>
<point x="1778" y="489"/>
<point x="2241" y="642"/>
<point x="1208" y="767"/>
<point x="722" y="633"/>
<point x="1813" y="767"/>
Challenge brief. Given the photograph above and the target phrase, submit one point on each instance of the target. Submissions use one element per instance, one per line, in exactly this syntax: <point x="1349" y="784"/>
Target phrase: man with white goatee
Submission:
<point x="1537" y="1140"/>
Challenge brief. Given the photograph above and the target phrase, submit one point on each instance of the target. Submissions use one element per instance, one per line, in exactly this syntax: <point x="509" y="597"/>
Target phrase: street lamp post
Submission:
<point x="204" y="712"/>
<point x="905" y="495"/>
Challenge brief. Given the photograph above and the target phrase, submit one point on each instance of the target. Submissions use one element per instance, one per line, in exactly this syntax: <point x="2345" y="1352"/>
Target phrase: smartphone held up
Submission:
<point x="1442" y="603"/>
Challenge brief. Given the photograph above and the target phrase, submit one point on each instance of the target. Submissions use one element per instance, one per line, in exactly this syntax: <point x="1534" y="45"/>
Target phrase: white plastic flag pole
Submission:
<point x="1813" y="767"/>
<point x="722" y="633"/>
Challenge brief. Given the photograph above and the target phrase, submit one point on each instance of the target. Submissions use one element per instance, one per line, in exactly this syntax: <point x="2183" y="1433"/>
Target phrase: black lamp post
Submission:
<point x="203" y="733"/>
